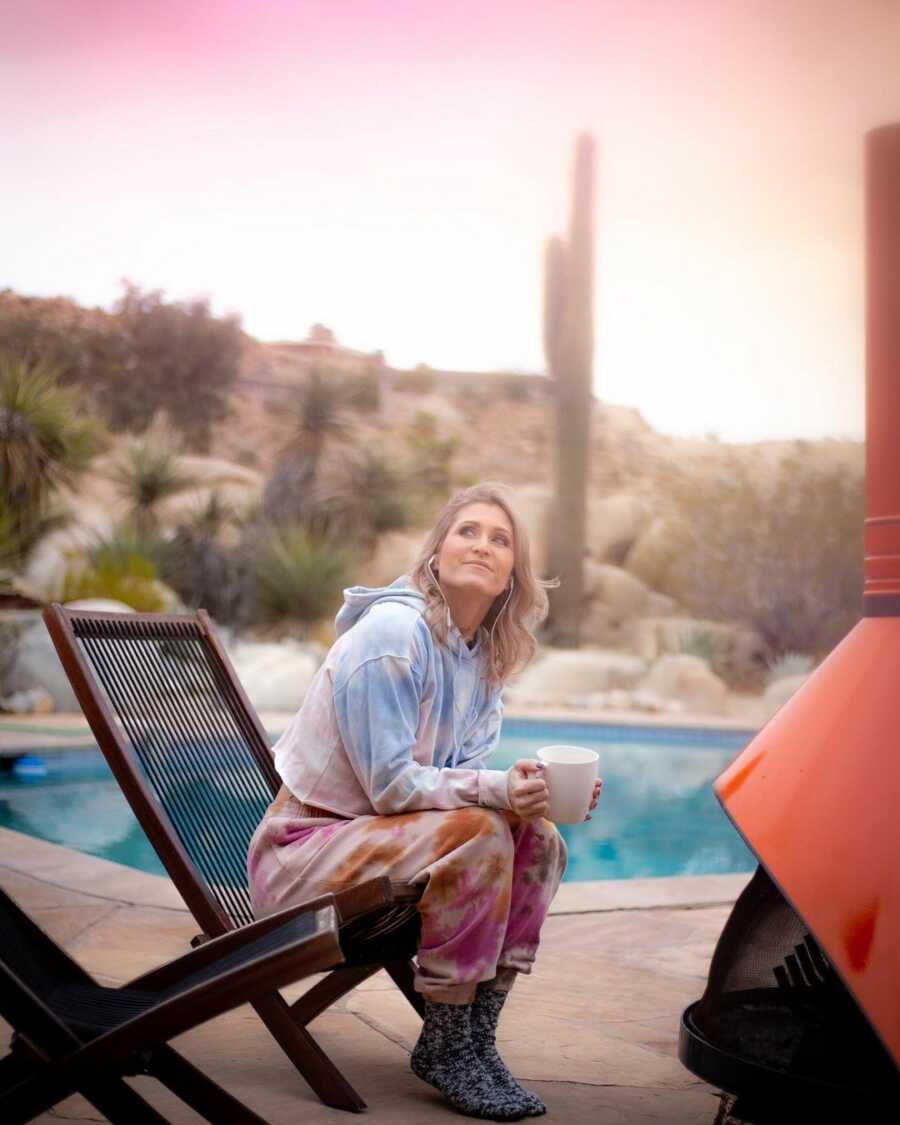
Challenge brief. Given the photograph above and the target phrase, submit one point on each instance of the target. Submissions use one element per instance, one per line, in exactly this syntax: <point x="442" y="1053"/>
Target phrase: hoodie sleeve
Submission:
<point x="377" y="711"/>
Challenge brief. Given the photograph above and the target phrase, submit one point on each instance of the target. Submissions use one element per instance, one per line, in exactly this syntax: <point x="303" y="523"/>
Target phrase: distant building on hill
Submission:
<point x="321" y="349"/>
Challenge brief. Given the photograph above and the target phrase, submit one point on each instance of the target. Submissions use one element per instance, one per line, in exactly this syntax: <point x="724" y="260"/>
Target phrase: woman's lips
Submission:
<point x="480" y="565"/>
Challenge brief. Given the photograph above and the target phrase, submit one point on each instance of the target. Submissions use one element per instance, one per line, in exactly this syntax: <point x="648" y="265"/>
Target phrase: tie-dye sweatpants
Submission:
<point x="489" y="879"/>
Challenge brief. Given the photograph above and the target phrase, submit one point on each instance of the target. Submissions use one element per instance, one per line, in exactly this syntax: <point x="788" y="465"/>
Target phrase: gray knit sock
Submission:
<point x="485" y="1016"/>
<point x="445" y="1058"/>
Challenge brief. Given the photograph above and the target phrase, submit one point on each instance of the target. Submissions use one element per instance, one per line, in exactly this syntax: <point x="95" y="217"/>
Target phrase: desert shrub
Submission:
<point x="374" y="496"/>
<point x="779" y="549"/>
<point x="790" y="664"/>
<point x="299" y="574"/>
<point x="698" y="642"/>
<point x="430" y="458"/>
<point x="148" y="356"/>
<point x="176" y="357"/>
<point x="515" y="388"/>
<point x="78" y="343"/>
<point x="419" y="381"/>
<point x="116" y="568"/>
<point x="363" y="391"/>
<point x="203" y="570"/>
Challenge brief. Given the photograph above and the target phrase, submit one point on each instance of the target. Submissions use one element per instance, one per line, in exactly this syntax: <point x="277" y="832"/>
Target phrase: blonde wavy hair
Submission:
<point x="507" y="631"/>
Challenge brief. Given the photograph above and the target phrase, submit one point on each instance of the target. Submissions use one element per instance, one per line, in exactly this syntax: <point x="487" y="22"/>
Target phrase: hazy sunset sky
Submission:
<point x="392" y="169"/>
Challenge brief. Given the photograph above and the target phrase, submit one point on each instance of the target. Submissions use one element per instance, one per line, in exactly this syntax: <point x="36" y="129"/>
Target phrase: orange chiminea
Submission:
<point x="808" y="1014"/>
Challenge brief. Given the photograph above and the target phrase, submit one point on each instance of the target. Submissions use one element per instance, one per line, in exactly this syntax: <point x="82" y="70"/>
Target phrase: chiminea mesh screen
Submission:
<point x="775" y="1008"/>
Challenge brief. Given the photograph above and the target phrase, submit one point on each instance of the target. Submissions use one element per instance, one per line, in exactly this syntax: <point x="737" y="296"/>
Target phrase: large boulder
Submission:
<point x="563" y="676"/>
<point x="30" y="662"/>
<point x="687" y="680"/>
<point x="614" y="525"/>
<point x="735" y="652"/>
<point x="650" y="555"/>
<point x="625" y="595"/>
<point x="275" y="675"/>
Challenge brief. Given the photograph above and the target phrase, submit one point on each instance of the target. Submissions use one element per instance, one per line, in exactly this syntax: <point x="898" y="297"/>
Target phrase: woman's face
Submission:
<point x="477" y="556"/>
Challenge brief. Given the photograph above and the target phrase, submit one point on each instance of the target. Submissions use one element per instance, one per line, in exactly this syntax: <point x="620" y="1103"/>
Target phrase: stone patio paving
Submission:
<point x="593" y="1031"/>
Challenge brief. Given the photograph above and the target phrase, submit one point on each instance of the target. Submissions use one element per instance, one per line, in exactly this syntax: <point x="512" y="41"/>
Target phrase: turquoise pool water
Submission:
<point x="657" y="815"/>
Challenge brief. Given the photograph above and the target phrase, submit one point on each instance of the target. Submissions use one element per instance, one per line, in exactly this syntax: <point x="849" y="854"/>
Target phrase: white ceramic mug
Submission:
<point x="570" y="772"/>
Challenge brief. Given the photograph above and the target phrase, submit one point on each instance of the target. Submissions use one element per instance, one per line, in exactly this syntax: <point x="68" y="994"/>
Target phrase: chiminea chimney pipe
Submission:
<point x="816" y="794"/>
<point x="882" y="565"/>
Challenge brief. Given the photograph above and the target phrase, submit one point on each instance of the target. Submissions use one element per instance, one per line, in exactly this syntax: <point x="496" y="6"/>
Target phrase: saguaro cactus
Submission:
<point x="569" y="348"/>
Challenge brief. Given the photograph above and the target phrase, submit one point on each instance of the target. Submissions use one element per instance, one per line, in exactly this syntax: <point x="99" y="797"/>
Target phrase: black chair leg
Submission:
<point x="307" y="1056"/>
<point x="199" y="1091"/>
<point x="25" y="1098"/>
<point x="402" y="974"/>
<point x="119" y="1103"/>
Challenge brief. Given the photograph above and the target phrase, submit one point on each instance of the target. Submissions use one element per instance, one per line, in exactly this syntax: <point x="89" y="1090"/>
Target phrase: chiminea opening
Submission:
<point x="777" y="1027"/>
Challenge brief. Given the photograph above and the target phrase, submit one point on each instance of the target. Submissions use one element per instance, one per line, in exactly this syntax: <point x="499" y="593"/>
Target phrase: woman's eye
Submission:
<point x="467" y="531"/>
<point x="501" y="540"/>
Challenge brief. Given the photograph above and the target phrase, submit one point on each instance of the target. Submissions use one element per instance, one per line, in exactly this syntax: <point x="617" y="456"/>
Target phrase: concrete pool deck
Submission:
<point x="594" y="1030"/>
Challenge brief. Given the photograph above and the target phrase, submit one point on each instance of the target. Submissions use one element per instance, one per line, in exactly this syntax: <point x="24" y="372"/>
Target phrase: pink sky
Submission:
<point x="392" y="169"/>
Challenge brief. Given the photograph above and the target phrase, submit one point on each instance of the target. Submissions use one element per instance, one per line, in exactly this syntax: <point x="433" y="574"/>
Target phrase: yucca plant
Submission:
<point x="299" y="574"/>
<point x="200" y="567"/>
<point x="44" y="445"/>
<point x="147" y="475"/>
<point x="374" y="496"/>
<point x="315" y="414"/>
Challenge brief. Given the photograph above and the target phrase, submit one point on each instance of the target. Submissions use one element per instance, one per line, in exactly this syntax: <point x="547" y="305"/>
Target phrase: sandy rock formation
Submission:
<point x="394" y="555"/>
<point x="689" y="681"/>
<point x="615" y="524"/>
<point x="275" y="676"/>
<point x="569" y="677"/>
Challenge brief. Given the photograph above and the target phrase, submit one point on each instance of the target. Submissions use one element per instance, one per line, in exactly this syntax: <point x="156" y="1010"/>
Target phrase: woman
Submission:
<point x="384" y="771"/>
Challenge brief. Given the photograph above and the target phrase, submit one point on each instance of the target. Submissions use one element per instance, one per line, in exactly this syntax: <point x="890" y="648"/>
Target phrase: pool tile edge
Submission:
<point x="101" y="878"/>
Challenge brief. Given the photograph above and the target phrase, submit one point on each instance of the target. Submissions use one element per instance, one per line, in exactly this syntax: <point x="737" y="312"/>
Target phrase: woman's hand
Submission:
<point x="598" y="785"/>
<point x="527" y="791"/>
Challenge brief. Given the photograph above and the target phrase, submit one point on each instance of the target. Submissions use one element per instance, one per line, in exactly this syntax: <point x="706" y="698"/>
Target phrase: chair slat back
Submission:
<point x="181" y="720"/>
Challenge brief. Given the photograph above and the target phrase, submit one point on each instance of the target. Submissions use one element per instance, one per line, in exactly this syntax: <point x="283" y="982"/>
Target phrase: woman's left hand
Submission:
<point x="598" y="785"/>
<point x="527" y="791"/>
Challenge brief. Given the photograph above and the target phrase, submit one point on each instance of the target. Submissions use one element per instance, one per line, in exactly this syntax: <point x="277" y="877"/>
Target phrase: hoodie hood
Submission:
<point x="358" y="600"/>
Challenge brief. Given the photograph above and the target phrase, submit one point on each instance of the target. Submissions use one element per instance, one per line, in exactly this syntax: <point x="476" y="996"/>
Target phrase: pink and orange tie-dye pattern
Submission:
<point x="489" y="879"/>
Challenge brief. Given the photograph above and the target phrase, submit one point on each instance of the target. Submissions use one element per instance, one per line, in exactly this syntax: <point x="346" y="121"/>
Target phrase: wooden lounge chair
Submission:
<point x="71" y="1034"/>
<point x="194" y="762"/>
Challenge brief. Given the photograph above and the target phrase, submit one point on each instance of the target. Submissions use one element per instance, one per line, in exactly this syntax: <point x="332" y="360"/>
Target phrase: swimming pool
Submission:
<point x="657" y="815"/>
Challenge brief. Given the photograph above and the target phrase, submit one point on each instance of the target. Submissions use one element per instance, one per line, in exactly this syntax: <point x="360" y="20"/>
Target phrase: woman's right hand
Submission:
<point x="528" y="793"/>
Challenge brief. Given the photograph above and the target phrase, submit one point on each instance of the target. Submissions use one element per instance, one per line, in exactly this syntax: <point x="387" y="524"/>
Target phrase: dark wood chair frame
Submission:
<point x="375" y="934"/>
<point x="71" y="1034"/>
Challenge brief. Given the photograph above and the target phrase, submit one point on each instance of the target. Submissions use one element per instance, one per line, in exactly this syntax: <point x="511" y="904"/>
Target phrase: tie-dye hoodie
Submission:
<point x="394" y="721"/>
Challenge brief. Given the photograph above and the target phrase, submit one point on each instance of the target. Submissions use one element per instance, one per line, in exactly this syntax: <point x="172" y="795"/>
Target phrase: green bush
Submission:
<point x="299" y="574"/>
<point x="115" y="569"/>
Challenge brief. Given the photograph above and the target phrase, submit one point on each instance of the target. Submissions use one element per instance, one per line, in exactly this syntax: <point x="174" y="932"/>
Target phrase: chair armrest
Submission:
<point x="301" y="945"/>
<point x="360" y="899"/>
<point x="168" y="975"/>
